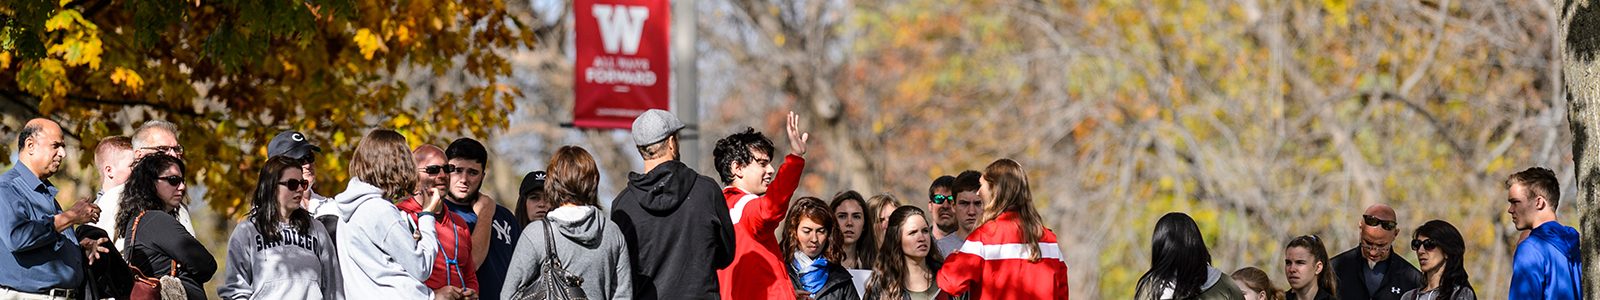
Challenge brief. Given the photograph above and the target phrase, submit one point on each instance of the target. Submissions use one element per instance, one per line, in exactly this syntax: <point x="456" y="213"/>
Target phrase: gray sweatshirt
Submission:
<point x="589" y="245"/>
<point x="377" y="255"/>
<point x="300" y="265"/>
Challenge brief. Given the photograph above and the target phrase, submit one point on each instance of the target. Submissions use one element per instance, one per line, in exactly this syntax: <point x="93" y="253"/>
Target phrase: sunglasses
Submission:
<point x="1376" y="222"/>
<point x="167" y="149"/>
<point x="941" y="199"/>
<point x="1427" y="244"/>
<point x="295" y="184"/>
<point x="435" y="169"/>
<point x="171" y="180"/>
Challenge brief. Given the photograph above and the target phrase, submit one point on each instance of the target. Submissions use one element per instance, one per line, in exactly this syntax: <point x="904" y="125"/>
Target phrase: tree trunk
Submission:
<point x="1579" y="40"/>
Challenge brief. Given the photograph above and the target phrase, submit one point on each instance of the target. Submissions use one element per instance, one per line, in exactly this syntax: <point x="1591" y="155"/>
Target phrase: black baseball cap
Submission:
<point x="291" y="144"/>
<point x="531" y="183"/>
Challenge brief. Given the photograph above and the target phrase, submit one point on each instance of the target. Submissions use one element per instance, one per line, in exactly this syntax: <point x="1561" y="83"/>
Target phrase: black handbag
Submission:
<point x="554" y="282"/>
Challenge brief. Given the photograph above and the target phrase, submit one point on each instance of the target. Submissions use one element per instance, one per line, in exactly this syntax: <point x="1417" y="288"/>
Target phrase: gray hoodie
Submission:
<point x="377" y="255"/>
<point x="589" y="246"/>
<point x="301" y="265"/>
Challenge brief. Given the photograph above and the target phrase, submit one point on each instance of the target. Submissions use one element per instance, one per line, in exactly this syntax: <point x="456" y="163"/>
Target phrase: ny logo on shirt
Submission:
<point x="502" y="229"/>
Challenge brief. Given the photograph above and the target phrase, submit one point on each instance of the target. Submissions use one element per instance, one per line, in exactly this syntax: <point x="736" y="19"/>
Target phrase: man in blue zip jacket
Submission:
<point x="1546" y="265"/>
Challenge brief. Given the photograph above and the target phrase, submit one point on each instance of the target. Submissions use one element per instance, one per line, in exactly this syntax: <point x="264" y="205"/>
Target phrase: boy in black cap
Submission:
<point x="531" y="205"/>
<point x="293" y="144"/>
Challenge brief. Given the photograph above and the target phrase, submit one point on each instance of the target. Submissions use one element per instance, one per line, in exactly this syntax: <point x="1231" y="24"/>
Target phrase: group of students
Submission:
<point x="1546" y="264"/>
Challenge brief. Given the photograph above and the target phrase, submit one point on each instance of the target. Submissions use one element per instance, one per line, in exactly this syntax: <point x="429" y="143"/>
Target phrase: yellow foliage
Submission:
<point x="1339" y="9"/>
<point x="127" y="78"/>
<point x="369" y="42"/>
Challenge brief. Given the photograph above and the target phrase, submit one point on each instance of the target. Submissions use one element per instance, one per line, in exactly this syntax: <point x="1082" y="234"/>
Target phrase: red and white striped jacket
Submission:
<point x="757" y="271"/>
<point x="993" y="264"/>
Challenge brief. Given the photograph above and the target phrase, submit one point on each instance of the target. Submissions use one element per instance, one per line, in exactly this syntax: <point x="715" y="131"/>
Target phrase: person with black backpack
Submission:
<point x="575" y="245"/>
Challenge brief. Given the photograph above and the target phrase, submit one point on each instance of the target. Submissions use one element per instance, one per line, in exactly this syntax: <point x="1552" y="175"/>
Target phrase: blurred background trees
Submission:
<point x="1264" y="120"/>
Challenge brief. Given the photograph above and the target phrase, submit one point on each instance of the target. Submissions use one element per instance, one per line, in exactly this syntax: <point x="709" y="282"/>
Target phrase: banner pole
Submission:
<point x="686" y="76"/>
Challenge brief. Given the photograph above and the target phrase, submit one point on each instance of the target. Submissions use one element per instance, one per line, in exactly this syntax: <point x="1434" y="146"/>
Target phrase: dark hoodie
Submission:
<point x="587" y="245"/>
<point x="676" y="224"/>
<point x="1547" y="265"/>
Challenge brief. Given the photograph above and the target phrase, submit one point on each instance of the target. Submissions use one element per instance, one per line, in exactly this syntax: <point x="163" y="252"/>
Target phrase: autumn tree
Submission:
<point x="1579" y="37"/>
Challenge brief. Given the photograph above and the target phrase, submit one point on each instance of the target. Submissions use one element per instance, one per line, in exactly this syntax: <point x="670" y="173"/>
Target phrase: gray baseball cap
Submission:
<point x="291" y="144"/>
<point x="653" y="126"/>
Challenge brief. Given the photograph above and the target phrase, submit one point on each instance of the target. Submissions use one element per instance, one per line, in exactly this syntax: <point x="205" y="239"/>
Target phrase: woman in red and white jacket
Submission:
<point x="1011" y="255"/>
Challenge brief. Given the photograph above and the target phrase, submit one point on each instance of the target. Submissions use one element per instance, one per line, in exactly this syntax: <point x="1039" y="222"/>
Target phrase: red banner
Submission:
<point x="622" y="61"/>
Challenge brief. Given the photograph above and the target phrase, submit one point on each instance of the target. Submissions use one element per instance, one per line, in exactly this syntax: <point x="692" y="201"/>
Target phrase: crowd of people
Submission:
<point x="413" y="223"/>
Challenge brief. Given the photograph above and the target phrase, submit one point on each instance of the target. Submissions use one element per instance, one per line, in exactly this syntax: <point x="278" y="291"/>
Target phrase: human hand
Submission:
<point x="92" y="248"/>
<point x="797" y="139"/>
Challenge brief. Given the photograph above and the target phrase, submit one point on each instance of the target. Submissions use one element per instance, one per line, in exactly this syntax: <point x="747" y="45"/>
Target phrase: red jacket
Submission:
<point x="995" y="259"/>
<point x="757" y="271"/>
<point x="455" y="241"/>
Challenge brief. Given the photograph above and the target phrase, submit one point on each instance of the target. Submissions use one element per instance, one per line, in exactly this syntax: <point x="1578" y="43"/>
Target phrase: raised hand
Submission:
<point x="797" y="139"/>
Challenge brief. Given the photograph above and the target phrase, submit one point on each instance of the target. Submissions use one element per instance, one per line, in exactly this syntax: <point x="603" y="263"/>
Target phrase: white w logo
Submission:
<point x="621" y="24"/>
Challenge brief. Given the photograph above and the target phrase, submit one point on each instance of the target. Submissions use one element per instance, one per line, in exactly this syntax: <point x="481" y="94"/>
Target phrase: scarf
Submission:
<point x="813" y="273"/>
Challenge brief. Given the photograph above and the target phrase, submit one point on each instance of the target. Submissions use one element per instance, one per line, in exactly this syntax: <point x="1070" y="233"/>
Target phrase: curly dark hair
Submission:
<point x="140" y="194"/>
<point x="739" y="149"/>
<point x="1454" y="248"/>
<point x="264" y="205"/>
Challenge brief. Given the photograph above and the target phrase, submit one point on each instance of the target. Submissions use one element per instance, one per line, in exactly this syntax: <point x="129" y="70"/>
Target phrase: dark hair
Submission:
<point x="889" y="271"/>
<point x="865" y="241"/>
<point x="140" y="193"/>
<point x="264" y="206"/>
<point x="967" y="181"/>
<point x="468" y="149"/>
<point x="1325" y="279"/>
<point x="1009" y="183"/>
<point x="1449" y="240"/>
<point x="28" y="130"/>
<point x="573" y="177"/>
<point x="739" y="149"/>
<point x="522" y="204"/>
<point x="1257" y="281"/>
<point x="1178" y="256"/>
<point x="1539" y="182"/>
<point x="817" y="211"/>
<point x="945" y="182"/>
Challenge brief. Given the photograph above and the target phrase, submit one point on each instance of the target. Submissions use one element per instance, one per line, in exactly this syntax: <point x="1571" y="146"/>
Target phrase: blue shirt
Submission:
<point x="1547" y="264"/>
<point x="41" y="257"/>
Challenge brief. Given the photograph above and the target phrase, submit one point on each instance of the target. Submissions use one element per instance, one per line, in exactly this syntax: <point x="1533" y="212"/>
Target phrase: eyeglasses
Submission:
<point x="941" y="199"/>
<point x="168" y="149"/>
<point x="1427" y="244"/>
<point x="1376" y="222"/>
<point x="435" y="169"/>
<point x="295" y="184"/>
<point x="171" y="180"/>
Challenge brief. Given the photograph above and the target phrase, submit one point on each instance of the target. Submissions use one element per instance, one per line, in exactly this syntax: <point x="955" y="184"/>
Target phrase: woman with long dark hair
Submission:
<point x="811" y="238"/>
<point x="1011" y="243"/>
<point x="907" y="261"/>
<point x="1305" y="263"/>
<point x="849" y="209"/>
<point x="1180" y="264"/>
<point x="156" y="243"/>
<point x="1439" y="249"/>
<point x="278" y="251"/>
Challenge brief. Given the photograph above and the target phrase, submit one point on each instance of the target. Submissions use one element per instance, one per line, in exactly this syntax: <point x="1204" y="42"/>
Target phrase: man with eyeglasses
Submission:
<point x="161" y="136"/>
<point x="941" y="203"/>
<point x="964" y="209"/>
<point x="454" y="269"/>
<point x="1372" y="270"/>
<point x="47" y="254"/>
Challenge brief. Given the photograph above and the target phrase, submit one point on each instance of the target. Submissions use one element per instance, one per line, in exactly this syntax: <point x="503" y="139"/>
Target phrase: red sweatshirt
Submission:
<point x="757" y="271"/>
<point x="994" y="260"/>
<point x="455" y="242"/>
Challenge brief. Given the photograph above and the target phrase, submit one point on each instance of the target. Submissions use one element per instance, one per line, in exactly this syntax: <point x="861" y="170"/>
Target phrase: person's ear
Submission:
<point x="1540" y="203"/>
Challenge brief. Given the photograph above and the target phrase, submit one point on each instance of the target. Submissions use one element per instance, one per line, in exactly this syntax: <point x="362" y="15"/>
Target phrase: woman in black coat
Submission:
<point x="811" y="238"/>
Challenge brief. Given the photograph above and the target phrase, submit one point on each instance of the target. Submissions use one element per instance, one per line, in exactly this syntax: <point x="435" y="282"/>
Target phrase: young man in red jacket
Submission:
<point x="757" y="201"/>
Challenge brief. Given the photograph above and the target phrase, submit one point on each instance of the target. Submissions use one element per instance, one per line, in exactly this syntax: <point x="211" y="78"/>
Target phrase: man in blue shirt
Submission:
<point x="1546" y="264"/>
<point x="47" y="257"/>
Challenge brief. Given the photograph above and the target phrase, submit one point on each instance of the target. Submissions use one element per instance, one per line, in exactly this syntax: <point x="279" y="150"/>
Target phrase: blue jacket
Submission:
<point x="1547" y="265"/>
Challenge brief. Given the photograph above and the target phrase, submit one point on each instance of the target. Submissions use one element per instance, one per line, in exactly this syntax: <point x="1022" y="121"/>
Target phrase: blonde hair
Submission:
<point x="382" y="159"/>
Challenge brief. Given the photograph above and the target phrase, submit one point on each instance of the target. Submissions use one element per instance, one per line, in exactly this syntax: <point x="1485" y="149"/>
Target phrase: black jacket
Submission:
<point x="158" y="241"/>
<point x="840" y="285"/>
<point x="107" y="276"/>
<point x="676" y="224"/>
<point x="1399" y="278"/>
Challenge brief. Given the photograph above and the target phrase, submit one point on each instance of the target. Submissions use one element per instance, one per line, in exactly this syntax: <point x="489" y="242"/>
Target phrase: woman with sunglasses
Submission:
<point x="155" y="242"/>
<point x="1439" y="249"/>
<point x="278" y="251"/>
